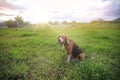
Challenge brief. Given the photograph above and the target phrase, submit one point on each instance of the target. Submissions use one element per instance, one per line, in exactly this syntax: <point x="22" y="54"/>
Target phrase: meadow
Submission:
<point x="34" y="53"/>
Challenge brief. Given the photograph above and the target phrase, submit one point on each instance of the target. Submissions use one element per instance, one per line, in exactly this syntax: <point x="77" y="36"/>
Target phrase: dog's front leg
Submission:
<point x="68" y="58"/>
<point x="69" y="53"/>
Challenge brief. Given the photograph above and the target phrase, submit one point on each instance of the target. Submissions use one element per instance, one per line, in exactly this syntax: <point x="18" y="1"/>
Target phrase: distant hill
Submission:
<point x="117" y="19"/>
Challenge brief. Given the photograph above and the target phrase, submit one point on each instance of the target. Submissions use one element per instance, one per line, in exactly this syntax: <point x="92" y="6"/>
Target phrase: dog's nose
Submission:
<point x="59" y="40"/>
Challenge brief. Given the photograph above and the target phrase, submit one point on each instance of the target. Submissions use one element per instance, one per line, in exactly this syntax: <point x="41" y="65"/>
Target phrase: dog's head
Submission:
<point x="63" y="39"/>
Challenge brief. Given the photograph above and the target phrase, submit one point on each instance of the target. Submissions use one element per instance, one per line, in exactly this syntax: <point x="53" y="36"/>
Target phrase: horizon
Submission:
<point x="59" y="10"/>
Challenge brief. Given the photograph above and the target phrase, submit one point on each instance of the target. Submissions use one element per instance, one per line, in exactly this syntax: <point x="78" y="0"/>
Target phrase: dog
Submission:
<point x="74" y="53"/>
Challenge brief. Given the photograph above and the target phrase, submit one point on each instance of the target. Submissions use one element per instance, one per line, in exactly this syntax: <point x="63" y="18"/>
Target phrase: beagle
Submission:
<point x="74" y="53"/>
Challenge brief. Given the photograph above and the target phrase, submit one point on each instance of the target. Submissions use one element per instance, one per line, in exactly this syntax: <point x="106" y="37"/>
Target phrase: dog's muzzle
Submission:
<point x="60" y="40"/>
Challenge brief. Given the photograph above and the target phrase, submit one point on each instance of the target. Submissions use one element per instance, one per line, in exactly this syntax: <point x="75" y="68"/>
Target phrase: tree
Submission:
<point x="64" y="22"/>
<point x="51" y="23"/>
<point x="99" y="20"/>
<point x="73" y="23"/>
<point x="27" y="24"/>
<point x="19" y="21"/>
<point x="93" y="21"/>
<point x="10" y="23"/>
<point x="56" y="23"/>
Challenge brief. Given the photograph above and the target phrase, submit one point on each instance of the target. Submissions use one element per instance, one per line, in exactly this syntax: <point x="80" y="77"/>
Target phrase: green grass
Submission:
<point x="34" y="54"/>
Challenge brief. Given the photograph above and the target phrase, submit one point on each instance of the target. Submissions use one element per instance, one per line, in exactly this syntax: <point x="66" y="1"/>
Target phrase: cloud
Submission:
<point x="3" y="14"/>
<point x="60" y="10"/>
<point x="112" y="10"/>
<point x="5" y="4"/>
<point x="9" y="10"/>
<point x="85" y="10"/>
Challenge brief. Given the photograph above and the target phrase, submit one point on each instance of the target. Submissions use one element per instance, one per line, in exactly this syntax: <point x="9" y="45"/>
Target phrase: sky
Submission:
<point x="36" y="11"/>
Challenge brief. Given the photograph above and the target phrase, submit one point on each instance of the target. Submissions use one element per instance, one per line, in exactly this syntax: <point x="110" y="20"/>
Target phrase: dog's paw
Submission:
<point x="68" y="60"/>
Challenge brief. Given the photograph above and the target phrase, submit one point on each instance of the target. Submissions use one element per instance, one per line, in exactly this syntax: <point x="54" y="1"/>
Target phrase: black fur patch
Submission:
<point x="76" y="50"/>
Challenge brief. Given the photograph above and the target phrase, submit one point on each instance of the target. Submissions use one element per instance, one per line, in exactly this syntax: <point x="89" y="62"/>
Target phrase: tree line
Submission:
<point x="18" y="22"/>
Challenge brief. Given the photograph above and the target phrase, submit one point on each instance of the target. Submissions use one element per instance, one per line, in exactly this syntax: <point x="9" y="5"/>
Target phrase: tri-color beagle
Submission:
<point x="74" y="53"/>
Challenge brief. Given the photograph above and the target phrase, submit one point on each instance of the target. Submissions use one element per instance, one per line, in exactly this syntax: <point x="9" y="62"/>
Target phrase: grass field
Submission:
<point x="34" y="53"/>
